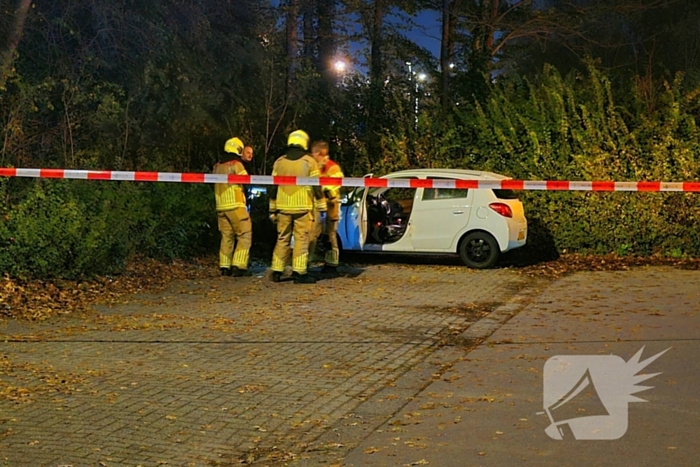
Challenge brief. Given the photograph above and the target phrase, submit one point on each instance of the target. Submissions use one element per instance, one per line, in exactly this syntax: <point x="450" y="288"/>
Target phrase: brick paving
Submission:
<point x="487" y="409"/>
<point x="229" y="370"/>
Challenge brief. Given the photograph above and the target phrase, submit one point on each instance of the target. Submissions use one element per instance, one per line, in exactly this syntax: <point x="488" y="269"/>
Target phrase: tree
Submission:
<point x="447" y="46"/>
<point x="14" y="35"/>
<point x="628" y="37"/>
<point x="327" y="38"/>
<point x="292" y="25"/>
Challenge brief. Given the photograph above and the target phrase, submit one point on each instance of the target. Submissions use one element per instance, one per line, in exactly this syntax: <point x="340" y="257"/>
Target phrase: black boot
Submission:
<point x="304" y="279"/>
<point x="276" y="276"/>
<point x="238" y="272"/>
<point x="329" y="269"/>
<point x="225" y="271"/>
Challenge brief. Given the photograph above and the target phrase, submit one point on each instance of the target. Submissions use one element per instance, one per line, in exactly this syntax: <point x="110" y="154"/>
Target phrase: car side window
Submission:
<point x="443" y="193"/>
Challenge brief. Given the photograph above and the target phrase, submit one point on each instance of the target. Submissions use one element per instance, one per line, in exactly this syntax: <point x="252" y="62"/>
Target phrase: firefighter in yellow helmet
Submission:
<point x="232" y="213"/>
<point x="329" y="220"/>
<point x="292" y="208"/>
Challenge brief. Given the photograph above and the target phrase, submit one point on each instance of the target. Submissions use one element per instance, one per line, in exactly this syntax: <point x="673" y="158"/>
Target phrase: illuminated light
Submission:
<point x="340" y="66"/>
<point x="422" y="77"/>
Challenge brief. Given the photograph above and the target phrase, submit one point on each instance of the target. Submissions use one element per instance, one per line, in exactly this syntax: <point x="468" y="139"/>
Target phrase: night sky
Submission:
<point x="426" y="34"/>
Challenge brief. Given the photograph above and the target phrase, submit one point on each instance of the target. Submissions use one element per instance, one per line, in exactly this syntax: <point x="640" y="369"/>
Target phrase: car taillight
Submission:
<point x="502" y="208"/>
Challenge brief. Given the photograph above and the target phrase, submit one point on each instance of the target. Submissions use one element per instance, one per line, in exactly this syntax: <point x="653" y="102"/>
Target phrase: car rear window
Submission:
<point x="505" y="194"/>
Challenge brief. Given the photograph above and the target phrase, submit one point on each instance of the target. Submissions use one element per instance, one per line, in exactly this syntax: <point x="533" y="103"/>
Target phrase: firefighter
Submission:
<point x="232" y="213"/>
<point x="329" y="221"/>
<point x="292" y="208"/>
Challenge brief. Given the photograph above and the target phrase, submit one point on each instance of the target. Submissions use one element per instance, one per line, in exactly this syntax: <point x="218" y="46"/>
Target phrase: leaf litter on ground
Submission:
<point x="38" y="300"/>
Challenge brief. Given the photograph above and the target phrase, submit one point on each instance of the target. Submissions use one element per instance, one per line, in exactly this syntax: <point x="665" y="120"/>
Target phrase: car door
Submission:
<point x="355" y="220"/>
<point x="439" y="214"/>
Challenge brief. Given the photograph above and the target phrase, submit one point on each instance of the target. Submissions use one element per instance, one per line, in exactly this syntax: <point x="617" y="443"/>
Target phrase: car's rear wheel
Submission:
<point x="479" y="250"/>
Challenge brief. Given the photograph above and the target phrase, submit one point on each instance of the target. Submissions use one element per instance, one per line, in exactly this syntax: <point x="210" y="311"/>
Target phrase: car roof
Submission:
<point x="451" y="173"/>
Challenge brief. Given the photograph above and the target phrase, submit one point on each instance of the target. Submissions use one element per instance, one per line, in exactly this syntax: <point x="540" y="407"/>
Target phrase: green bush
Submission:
<point x="62" y="229"/>
<point x="578" y="128"/>
<point x="75" y="228"/>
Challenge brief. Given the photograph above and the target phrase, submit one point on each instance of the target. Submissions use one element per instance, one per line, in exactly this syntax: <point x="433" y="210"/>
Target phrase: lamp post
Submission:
<point x="410" y="77"/>
<point x="419" y="79"/>
<point x="413" y="93"/>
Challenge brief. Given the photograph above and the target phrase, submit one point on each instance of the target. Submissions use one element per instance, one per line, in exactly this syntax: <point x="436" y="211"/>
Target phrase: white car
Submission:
<point x="477" y="224"/>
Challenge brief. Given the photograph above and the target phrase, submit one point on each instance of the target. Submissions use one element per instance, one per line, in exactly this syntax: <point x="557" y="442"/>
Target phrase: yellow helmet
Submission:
<point x="234" y="145"/>
<point x="298" y="138"/>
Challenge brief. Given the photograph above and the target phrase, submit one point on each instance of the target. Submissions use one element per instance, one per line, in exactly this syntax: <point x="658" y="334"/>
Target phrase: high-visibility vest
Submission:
<point x="331" y="192"/>
<point x="294" y="199"/>
<point x="332" y="169"/>
<point x="228" y="195"/>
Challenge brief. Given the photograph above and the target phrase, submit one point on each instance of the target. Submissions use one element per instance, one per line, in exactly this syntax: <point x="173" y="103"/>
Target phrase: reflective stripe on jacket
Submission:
<point x="229" y="195"/>
<point x="332" y="169"/>
<point x="293" y="199"/>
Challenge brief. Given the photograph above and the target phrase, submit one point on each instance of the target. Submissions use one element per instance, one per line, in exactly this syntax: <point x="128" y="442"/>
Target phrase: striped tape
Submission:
<point x="547" y="185"/>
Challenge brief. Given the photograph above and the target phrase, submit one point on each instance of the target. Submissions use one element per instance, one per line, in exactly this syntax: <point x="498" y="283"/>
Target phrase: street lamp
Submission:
<point x="340" y="66"/>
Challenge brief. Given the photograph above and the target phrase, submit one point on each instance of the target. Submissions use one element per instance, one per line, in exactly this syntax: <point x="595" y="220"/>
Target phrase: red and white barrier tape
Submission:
<point x="549" y="185"/>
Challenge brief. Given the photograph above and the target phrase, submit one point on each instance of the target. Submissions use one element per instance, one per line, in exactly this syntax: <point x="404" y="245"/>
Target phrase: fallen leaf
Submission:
<point x="420" y="462"/>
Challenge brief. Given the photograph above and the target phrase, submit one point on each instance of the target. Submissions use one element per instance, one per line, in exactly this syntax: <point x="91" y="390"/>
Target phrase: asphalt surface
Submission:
<point x="388" y="365"/>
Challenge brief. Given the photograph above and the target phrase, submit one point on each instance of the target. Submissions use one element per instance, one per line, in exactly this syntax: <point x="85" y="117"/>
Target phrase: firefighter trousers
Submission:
<point x="332" y="256"/>
<point x="299" y="225"/>
<point x="236" y="228"/>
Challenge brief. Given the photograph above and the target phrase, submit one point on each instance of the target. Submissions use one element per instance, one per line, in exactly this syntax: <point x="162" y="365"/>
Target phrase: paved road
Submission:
<point x="224" y="370"/>
<point x="487" y="409"/>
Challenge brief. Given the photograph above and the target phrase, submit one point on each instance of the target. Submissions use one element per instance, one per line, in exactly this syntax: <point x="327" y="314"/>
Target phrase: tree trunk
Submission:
<point x="478" y="29"/>
<point x="292" y="37"/>
<point x="309" y="33"/>
<point x="376" y="63"/>
<point x="476" y="79"/>
<point x="13" y="38"/>
<point x="492" y="20"/>
<point x="446" y="49"/>
<point x="375" y="107"/>
<point x="326" y="47"/>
